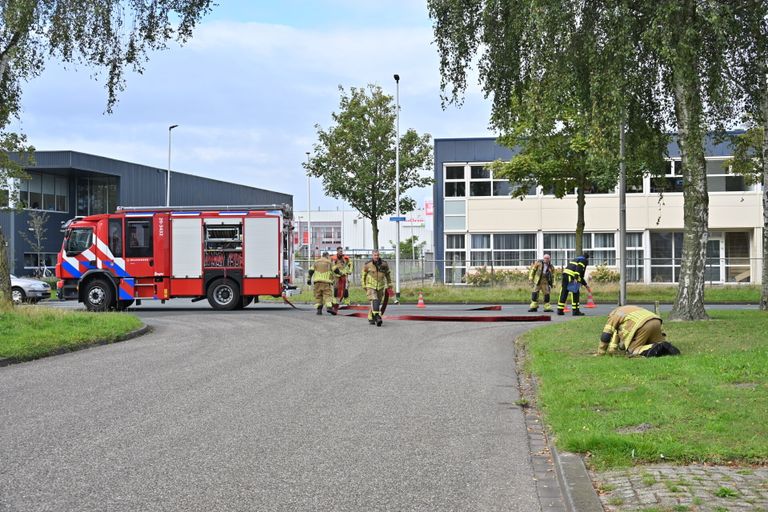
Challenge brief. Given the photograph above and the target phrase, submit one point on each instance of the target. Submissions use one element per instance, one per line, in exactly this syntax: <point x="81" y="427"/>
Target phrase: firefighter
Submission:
<point x="540" y="277"/>
<point x="322" y="271"/>
<point x="634" y="331"/>
<point x="344" y="265"/>
<point x="377" y="280"/>
<point x="573" y="279"/>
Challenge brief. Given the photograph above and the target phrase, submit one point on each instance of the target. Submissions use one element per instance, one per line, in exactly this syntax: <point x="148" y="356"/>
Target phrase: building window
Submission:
<point x="47" y="260"/>
<point x="45" y="192"/>
<point x="562" y="246"/>
<point x="455" y="215"/>
<point x="455" y="185"/>
<point x="666" y="251"/>
<point x="603" y="249"/>
<point x="635" y="265"/>
<point x="721" y="179"/>
<point x="502" y="249"/>
<point x="96" y="195"/>
<point x="480" y="252"/>
<point x="455" y="258"/>
<point x="514" y="249"/>
<point x="737" y="263"/>
<point x="672" y="180"/>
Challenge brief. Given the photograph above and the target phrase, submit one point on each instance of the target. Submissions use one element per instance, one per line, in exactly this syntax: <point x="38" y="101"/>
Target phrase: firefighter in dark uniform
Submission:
<point x="540" y="277"/>
<point x="573" y="279"/>
<point x="634" y="331"/>
<point x="377" y="280"/>
<point x="322" y="271"/>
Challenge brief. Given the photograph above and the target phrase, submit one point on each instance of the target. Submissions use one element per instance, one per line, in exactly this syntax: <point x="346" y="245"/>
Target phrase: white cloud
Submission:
<point x="247" y="97"/>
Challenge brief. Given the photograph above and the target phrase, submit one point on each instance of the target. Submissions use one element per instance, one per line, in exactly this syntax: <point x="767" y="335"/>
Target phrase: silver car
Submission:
<point x="28" y="290"/>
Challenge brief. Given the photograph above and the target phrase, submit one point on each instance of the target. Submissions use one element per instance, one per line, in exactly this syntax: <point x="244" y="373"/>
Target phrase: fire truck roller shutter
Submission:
<point x="187" y="242"/>
<point x="262" y="247"/>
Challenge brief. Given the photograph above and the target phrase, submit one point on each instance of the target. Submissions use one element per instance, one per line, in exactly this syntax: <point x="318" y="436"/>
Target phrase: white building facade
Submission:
<point x="348" y="229"/>
<point x="478" y="225"/>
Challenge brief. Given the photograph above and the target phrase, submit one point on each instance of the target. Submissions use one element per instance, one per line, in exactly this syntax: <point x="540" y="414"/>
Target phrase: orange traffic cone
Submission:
<point x="421" y="304"/>
<point x="590" y="302"/>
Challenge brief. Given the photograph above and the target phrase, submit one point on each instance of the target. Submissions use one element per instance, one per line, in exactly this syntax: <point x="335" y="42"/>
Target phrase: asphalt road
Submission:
<point x="270" y="409"/>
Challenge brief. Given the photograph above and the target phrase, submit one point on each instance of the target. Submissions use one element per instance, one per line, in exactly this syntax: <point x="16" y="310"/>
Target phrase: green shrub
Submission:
<point x="603" y="274"/>
<point x="484" y="276"/>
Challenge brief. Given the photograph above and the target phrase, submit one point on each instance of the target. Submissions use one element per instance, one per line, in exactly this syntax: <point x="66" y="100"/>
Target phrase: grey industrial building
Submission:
<point x="65" y="184"/>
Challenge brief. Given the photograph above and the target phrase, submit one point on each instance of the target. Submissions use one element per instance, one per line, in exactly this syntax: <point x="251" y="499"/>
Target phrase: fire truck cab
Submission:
<point x="230" y="255"/>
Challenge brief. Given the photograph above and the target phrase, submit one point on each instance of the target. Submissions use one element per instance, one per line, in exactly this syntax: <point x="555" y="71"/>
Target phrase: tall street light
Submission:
<point x="168" y="178"/>
<point x="397" y="186"/>
<point x="309" y="213"/>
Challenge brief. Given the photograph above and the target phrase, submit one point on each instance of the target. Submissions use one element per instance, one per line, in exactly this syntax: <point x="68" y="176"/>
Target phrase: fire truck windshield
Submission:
<point x="79" y="239"/>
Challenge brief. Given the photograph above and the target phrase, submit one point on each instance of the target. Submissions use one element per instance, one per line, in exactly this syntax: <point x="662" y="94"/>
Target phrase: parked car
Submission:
<point x="28" y="290"/>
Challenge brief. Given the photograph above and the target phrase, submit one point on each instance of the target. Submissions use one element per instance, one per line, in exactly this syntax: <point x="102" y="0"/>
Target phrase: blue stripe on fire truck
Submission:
<point x="69" y="269"/>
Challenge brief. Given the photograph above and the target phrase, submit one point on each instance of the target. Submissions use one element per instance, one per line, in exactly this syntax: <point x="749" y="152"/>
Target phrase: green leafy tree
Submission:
<point x="35" y="236"/>
<point x="410" y="248"/>
<point x="557" y="72"/>
<point x="749" y="72"/>
<point x="106" y="35"/>
<point x="573" y="71"/>
<point x="355" y="158"/>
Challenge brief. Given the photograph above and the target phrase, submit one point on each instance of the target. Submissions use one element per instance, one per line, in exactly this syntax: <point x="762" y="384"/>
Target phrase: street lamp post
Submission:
<point x="168" y="177"/>
<point x="309" y="213"/>
<point x="397" y="186"/>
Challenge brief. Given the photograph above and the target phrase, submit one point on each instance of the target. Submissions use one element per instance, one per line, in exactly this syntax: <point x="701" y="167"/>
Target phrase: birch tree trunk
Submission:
<point x="375" y="232"/>
<point x="581" y="201"/>
<point x="763" y="78"/>
<point x="689" y="304"/>
<point x="5" y="272"/>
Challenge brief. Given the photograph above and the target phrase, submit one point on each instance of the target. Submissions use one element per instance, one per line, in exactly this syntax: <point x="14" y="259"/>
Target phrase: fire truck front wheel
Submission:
<point x="223" y="294"/>
<point x="98" y="296"/>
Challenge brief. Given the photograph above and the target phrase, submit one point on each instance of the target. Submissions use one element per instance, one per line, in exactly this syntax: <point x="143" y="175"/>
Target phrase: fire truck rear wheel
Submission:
<point x="223" y="294"/>
<point x="122" y="305"/>
<point x="245" y="301"/>
<point x="98" y="296"/>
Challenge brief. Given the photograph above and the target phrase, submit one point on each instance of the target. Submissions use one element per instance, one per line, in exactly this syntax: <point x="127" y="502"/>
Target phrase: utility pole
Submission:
<point x="397" y="186"/>
<point x="622" y="218"/>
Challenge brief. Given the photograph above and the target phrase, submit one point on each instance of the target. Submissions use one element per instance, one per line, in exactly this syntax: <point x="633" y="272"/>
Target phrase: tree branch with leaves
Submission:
<point x="355" y="157"/>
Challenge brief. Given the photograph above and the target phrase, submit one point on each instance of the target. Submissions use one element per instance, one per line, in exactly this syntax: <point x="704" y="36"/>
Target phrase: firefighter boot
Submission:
<point x="576" y="311"/>
<point x="331" y="309"/>
<point x="320" y="310"/>
<point x="534" y="303"/>
<point x="547" y="305"/>
<point x="370" y="315"/>
<point x="377" y="312"/>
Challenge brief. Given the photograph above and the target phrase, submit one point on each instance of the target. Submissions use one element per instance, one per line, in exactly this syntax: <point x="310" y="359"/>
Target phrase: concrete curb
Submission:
<point x="562" y="480"/>
<point x="144" y="329"/>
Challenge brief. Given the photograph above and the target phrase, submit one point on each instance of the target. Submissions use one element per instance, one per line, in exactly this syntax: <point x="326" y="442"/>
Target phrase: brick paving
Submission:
<point x="666" y="488"/>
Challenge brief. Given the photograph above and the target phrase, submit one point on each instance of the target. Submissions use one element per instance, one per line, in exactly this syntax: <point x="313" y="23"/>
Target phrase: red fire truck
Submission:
<point x="230" y="255"/>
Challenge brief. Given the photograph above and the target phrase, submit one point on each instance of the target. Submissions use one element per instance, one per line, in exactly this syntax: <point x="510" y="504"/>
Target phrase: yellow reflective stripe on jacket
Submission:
<point x="323" y="277"/>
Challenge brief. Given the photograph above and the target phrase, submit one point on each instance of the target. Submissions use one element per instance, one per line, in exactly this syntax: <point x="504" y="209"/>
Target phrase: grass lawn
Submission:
<point x="708" y="405"/>
<point x="29" y="332"/>
<point x="604" y="293"/>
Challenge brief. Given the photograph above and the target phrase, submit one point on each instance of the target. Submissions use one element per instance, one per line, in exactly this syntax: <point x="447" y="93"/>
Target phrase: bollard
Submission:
<point x="656" y="308"/>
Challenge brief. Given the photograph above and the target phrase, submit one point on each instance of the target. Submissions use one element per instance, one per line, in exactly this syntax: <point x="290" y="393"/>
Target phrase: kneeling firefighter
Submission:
<point x="322" y="271"/>
<point x="377" y="281"/>
<point x="634" y="331"/>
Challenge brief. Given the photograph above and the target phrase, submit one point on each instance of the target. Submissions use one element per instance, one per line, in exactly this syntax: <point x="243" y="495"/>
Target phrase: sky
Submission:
<point x="248" y="90"/>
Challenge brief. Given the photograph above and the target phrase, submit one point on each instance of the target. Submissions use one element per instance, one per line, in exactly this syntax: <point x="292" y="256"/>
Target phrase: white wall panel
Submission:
<point x="262" y="251"/>
<point x="187" y="241"/>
